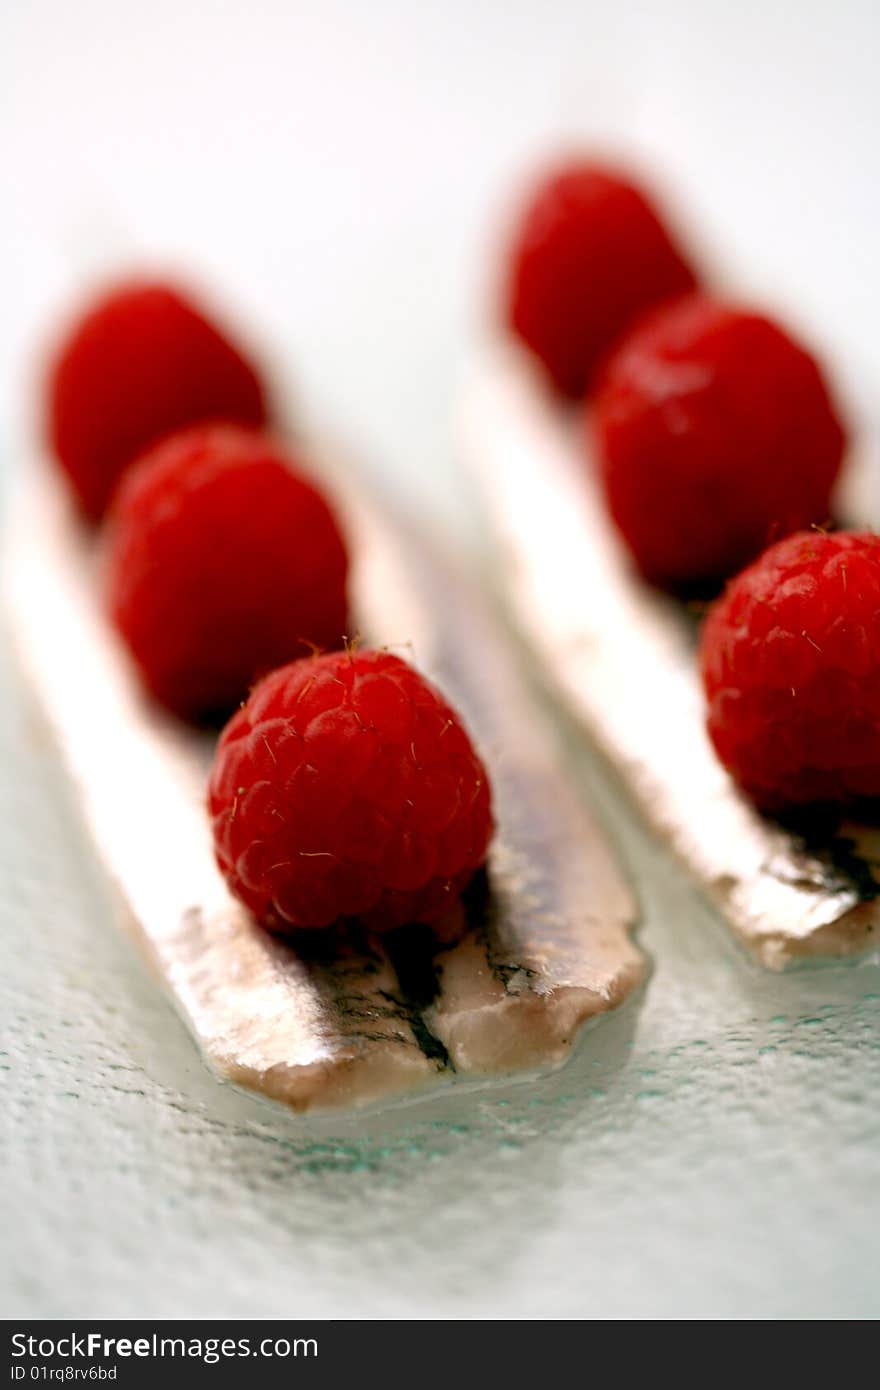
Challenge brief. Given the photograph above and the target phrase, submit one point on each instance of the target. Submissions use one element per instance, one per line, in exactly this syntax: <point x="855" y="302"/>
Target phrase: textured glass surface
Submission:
<point x="711" y="1149"/>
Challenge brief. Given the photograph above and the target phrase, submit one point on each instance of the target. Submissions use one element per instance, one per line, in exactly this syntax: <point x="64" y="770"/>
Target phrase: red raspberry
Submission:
<point x="791" y="667"/>
<point x="590" y="254"/>
<point x="346" y="786"/>
<point x="716" y="434"/>
<point x="221" y="563"/>
<point x="140" y="363"/>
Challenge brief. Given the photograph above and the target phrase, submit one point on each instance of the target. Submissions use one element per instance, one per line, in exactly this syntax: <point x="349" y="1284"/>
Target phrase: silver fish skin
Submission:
<point x="340" y="1019"/>
<point x="620" y="655"/>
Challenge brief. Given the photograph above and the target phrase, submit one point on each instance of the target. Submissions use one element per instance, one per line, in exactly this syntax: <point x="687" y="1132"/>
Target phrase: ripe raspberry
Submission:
<point x="221" y="563"/>
<point x="791" y="667"/>
<point x="140" y="363"/>
<point x="589" y="255"/>
<point x="716" y="435"/>
<point x="346" y="786"/>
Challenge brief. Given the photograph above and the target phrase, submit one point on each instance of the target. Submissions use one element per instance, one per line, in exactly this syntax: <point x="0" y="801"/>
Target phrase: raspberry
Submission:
<point x="590" y="254"/>
<point x="716" y="435"/>
<point x="221" y="563"/>
<point x="347" y="787"/>
<point x="140" y="363"/>
<point x="791" y="667"/>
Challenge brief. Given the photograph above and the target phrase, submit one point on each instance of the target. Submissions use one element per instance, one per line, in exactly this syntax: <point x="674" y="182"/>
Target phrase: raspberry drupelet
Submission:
<point x="589" y="254"/>
<point x="716" y="435"/>
<point x="346" y="786"/>
<point x="141" y="362"/>
<point x="790" y="659"/>
<point x="221" y="563"/>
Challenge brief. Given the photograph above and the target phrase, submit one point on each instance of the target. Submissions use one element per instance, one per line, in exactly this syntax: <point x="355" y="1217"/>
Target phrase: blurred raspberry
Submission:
<point x="222" y="563"/>
<point x="589" y="255"/>
<point x="791" y="667"/>
<point x="347" y="787"/>
<point x="140" y="363"/>
<point x="716" y="434"/>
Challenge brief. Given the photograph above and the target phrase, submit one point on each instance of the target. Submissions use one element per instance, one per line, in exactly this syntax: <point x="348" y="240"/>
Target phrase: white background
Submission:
<point x="337" y="172"/>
